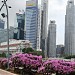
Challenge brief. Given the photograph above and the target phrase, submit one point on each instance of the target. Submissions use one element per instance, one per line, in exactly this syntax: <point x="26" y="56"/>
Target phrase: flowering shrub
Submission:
<point x="58" y="66"/>
<point x="27" y="60"/>
<point x="34" y="63"/>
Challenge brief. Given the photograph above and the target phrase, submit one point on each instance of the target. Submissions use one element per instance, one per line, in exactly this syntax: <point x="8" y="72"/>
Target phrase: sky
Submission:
<point x="56" y="11"/>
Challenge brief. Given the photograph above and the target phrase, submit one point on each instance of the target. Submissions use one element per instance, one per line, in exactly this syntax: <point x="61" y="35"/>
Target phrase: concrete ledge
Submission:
<point x="3" y="72"/>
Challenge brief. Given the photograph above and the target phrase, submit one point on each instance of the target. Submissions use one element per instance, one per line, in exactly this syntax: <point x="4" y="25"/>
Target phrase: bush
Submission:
<point x="31" y="51"/>
<point x="27" y="50"/>
<point x="3" y="55"/>
<point x="38" y="53"/>
<point x="69" y="57"/>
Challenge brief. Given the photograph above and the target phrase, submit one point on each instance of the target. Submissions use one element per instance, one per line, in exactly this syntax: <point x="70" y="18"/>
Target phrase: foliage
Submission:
<point x="38" y="53"/>
<point x="27" y="50"/>
<point x="24" y="50"/>
<point x="31" y="51"/>
<point x="69" y="57"/>
<point x="3" y="55"/>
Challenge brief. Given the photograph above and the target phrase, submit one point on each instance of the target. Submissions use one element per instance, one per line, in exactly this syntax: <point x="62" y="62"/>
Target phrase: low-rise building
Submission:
<point x="14" y="46"/>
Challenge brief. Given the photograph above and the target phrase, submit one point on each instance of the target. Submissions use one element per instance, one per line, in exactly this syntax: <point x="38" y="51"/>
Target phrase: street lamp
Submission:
<point x="5" y="4"/>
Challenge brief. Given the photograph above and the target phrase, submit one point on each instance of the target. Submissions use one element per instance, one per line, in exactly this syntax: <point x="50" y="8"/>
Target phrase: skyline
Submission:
<point x="56" y="10"/>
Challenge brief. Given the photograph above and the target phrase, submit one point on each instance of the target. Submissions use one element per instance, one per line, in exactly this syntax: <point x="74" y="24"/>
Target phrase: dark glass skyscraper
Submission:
<point x="20" y="26"/>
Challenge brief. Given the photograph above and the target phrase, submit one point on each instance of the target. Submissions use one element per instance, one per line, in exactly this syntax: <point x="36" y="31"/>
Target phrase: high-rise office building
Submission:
<point x="51" y="52"/>
<point x="44" y="25"/>
<point x="70" y="28"/>
<point x="19" y="31"/>
<point x="2" y="24"/>
<point x="31" y="22"/>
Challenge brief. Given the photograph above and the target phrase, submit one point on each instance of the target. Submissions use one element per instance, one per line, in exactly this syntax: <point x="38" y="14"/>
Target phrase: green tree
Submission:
<point x="27" y="50"/>
<point x="0" y="55"/>
<point x="3" y="55"/>
<point x="69" y="57"/>
<point x="24" y="50"/>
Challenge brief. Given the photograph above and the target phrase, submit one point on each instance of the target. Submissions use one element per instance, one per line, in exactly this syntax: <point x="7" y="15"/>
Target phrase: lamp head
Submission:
<point x="3" y="15"/>
<point x="9" y="6"/>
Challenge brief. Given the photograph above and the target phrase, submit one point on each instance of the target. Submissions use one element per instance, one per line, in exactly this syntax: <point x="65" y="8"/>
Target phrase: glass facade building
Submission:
<point x="20" y="26"/>
<point x="31" y="21"/>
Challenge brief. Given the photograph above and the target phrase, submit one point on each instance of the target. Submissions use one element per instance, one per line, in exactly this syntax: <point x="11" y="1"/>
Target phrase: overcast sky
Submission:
<point x="56" y="11"/>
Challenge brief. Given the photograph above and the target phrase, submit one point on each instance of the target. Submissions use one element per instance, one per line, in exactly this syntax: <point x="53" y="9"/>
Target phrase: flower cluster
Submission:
<point x="32" y="62"/>
<point x="22" y="60"/>
<point x="27" y="60"/>
<point x="60" y="66"/>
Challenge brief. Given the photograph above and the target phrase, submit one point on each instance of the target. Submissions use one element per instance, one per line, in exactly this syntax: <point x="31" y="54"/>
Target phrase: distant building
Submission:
<point x="70" y="28"/>
<point x="3" y="34"/>
<point x="51" y="51"/>
<point x="31" y="22"/>
<point x="2" y="23"/>
<point x="15" y="46"/>
<point x="59" y="50"/>
<point x="19" y="32"/>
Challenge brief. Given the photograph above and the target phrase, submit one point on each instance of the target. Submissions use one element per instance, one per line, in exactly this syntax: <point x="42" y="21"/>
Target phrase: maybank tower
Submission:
<point x="31" y="22"/>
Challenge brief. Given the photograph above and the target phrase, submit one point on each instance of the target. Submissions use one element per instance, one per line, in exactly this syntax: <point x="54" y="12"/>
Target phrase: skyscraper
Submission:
<point x="51" y="52"/>
<point x="70" y="28"/>
<point x="39" y="29"/>
<point x="2" y="24"/>
<point x="20" y="26"/>
<point x="31" y="21"/>
<point x="44" y="25"/>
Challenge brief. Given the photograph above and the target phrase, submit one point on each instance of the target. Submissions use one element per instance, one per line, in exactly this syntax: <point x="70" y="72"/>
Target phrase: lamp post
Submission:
<point x="7" y="31"/>
<point x="5" y="4"/>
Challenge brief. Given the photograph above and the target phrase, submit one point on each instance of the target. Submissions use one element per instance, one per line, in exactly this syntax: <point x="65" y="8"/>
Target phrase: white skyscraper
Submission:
<point x="44" y="25"/>
<point x="39" y="29"/>
<point x="45" y="17"/>
<point x="51" y="52"/>
<point x="70" y="28"/>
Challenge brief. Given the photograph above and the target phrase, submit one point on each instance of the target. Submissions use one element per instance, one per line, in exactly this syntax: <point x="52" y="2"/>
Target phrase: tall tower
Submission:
<point x="44" y="24"/>
<point x="70" y="28"/>
<point x="51" y="52"/>
<point x="31" y="21"/>
<point x="39" y="28"/>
